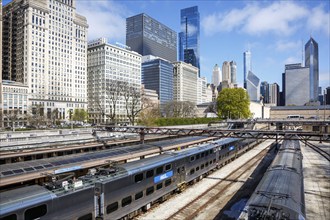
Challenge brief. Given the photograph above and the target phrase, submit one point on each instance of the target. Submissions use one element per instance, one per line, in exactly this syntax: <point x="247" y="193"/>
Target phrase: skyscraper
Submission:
<point x="296" y="84"/>
<point x="104" y="72"/>
<point x="216" y="75"/>
<point x="253" y="86"/>
<point x="233" y="70"/>
<point x="157" y="74"/>
<point x="148" y="36"/>
<point x="312" y="61"/>
<point x="274" y="93"/>
<point x="246" y="65"/>
<point x="226" y="75"/>
<point x="264" y="91"/>
<point x="189" y="36"/>
<point x="44" y="47"/>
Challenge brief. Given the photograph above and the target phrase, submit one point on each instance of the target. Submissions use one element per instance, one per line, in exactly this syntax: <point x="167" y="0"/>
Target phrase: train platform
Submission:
<point x="316" y="182"/>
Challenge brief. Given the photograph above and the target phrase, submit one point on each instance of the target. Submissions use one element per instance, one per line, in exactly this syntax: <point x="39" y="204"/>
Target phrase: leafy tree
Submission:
<point x="36" y="116"/>
<point x="179" y="109"/>
<point x="80" y="115"/>
<point x="233" y="103"/>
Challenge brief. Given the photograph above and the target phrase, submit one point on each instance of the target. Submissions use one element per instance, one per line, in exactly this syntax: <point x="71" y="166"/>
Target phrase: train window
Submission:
<point x="35" y="212"/>
<point x="192" y="158"/>
<point x="112" y="207"/>
<point x="138" y="177"/>
<point x="213" y="160"/>
<point x="10" y="217"/>
<point x="198" y="156"/>
<point x="150" y="173"/>
<point x="6" y="173"/>
<point x="159" y="170"/>
<point x="206" y="164"/>
<point x="206" y="153"/>
<point x="89" y="216"/>
<point x="138" y="195"/>
<point x="159" y="186"/>
<point x="126" y="201"/>
<point x="210" y="162"/>
<point x="178" y="170"/>
<point x="168" y="167"/>
<point x="202" y="154"/>
<point x="197" y="168"/>
<point x="150" y="190"/>
<point x="202" y="166"/>
<point x="211" y="151"/>
<point x="192" y="171"/>
<point x="38" y="167"/>
<point x="168" y="182"/>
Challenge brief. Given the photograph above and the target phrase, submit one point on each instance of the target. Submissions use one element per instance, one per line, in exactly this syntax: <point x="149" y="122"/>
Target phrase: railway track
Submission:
<point x="322" y="152"/>
<point x="216" y="191"/>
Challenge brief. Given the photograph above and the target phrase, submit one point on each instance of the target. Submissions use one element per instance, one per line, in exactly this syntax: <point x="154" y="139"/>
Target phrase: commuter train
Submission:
<point x="121" y="191"/>
<point x="280" y="193"/>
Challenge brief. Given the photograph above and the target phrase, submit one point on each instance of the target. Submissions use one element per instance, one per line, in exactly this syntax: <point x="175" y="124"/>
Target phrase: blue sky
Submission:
<point x="274" y="31"/>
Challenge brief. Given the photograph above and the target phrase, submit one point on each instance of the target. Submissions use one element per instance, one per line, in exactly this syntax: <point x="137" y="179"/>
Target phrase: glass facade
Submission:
<point x="189" y="36"/>
<point x="147" y="36"/>
<point x="312" y="61"/>
<point x="157" y="75"/>
<point x="253" y="86"/>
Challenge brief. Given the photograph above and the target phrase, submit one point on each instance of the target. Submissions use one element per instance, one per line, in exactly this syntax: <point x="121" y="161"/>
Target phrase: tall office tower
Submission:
<point x="107" y="65"/>
<point x="44" y="47"/>
<point x="253" y="86"/>
<point x="157" y="74"/>
<point x="296" y="84"/>
<point x="216" y="75"/>
<point x="312" y="61"/>
<point x="327" y="97"/>
<point x="226" y="75"/>
<point x="185" y="79"/>
<point x="274" y="93"/>
<point x="233" y="70"/>
<point x="246" y="65"/>
<point x="189" y="36"/>
<point x="264" y="91"/>
<point x="147" y="36"/>
<point x="202" y="90"/>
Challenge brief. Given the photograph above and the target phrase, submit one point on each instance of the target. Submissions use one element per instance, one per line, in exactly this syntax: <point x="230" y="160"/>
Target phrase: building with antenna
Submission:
<point x="189" y="37"/>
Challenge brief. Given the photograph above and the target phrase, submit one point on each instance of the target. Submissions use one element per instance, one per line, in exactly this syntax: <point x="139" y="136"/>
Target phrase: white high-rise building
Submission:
<point x="216" y="75"/>
<point x="247" y="66"/>
<point x="226" y="76"/>
<point x="45" y="48"/>
<point x="108" y="64"/>
<point x="202" y="90"/>
<point x="185" y="79"/>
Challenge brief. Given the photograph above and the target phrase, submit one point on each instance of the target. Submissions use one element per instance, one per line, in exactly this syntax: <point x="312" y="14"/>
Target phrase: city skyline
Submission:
<point x="228" y="29"/>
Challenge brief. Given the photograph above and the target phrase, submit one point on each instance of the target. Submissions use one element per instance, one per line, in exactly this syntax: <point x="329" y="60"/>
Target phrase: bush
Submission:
<point x="183" y="121"/>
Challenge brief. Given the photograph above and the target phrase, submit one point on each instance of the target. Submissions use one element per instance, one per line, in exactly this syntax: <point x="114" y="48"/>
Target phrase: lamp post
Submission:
<point x="70" y="114"/>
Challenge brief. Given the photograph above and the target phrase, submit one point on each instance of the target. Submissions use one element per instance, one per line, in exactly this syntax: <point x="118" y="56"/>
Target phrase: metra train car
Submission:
<point x="122" y="191"/>
<point x="280" y="193"/>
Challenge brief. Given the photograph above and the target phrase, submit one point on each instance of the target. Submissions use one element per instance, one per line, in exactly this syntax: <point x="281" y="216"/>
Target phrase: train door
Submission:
<point x="181" y="171"/>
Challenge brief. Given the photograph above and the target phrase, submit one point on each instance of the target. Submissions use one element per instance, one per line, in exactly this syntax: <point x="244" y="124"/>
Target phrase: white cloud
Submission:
<point x="191" y="29"/>
<point x="105" y="19"/>
<point x="281" y="18"/>
<point x="319" y="20"/>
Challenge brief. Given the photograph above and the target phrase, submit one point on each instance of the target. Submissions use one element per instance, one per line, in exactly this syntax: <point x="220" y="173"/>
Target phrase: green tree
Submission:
<point x="233" y="103"/>
<point x="80" y="115"/>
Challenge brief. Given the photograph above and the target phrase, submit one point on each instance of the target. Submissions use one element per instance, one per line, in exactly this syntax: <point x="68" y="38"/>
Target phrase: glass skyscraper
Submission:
<point x="312" y="61"/>
<point x="157" y="74"/>
<point x="189" y="36"/>
<point x="247" y="65"/>
<point x="147" y="36"/>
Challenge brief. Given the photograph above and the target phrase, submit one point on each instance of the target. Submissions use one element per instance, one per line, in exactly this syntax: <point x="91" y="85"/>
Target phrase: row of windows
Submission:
<point x="201" y="155"/>
<point x="151" y="173"/>
<point x="201" y="167"/>
<point x="128" y="200"/>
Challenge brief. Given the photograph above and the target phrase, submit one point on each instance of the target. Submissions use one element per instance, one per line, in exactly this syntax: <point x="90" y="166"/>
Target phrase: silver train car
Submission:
<point x="280" y="193"/>
<point x="122" y="191"/>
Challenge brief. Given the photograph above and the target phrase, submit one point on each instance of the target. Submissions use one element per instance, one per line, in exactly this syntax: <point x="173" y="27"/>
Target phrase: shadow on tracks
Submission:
<point x="234" y="207"/>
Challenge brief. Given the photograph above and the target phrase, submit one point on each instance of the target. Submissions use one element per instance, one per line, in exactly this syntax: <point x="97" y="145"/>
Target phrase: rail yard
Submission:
<point x="163" y="173"/>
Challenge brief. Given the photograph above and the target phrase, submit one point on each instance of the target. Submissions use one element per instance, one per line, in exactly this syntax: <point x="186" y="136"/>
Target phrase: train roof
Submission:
<point x="41" y="165"/>
<point x="23" y="197"/>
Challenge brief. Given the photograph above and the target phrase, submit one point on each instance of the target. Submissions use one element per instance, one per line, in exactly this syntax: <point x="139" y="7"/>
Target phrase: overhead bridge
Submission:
<point x="221" y="133"/>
